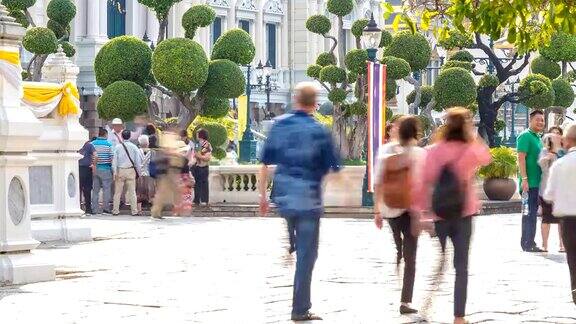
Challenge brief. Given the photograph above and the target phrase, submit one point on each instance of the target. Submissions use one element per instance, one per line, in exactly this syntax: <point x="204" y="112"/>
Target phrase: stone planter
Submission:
<point x="499" y="189"/>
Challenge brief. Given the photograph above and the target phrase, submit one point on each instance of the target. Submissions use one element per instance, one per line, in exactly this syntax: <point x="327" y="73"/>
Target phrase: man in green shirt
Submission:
<point x="529" y="146"/>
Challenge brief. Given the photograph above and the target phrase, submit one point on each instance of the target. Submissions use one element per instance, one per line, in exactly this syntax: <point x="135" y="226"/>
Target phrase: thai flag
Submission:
<point x="376" y="116"/>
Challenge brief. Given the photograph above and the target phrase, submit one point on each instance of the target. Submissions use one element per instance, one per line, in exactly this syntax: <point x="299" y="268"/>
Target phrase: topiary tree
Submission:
<point x="536" y="91"/>
<point x="563" y="93"/>
<point x="562" y="48"/>
<point x="546" y="67"/>
<point x="122" y="99"/>
<point x="196" y="17"/>
<point x="217" y="133"/>
<point x="162" y="9"/>
<point x="454" y="87"/>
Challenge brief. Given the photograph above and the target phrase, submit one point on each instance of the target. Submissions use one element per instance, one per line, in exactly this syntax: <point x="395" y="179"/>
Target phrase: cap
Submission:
<point x="117" y="121"/>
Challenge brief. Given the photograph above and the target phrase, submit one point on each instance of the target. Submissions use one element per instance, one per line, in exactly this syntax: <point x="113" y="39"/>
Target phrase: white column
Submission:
<point x="232" y="14"/>
<point x="92" y="19"/>
<point x="283" y="33"/>
<point x="258" y="33"/>
<point x="79" y="29"/>
<point x="153" y="26"/>
<point x="103" y="4"/>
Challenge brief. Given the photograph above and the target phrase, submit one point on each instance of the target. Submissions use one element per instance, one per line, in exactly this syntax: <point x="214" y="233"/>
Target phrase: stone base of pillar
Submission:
<point x="61" y="229"/>
<point x="23" y="268"/>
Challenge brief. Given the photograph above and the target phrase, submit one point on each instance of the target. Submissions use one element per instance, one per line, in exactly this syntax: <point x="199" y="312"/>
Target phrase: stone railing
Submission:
<point x="239" y="185"/>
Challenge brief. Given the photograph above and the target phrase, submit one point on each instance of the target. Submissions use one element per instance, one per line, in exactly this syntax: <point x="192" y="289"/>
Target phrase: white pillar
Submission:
<point x="103" y="15"/>
<point x="152" y="25"/>
<point x="79" y="23"/>
<point x="92" y="19"/>
<point x="258" y="33"/>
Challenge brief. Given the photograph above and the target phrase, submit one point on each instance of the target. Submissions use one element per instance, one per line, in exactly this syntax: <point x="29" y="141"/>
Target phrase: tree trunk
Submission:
<point x="358" y="138"/>
<point x="487" y="114"/>
<point x="38" y="64"/>
<point x="339" y="130"/>
<point x="190" y="111"/>
<point x="342" y="47"/>
<point x="162" y="30"/>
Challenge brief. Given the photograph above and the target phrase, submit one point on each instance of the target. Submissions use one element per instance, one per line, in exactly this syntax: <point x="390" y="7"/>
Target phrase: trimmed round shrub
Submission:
<point x="563" y="93"/>
<point x="68" y="48"/>
<point x="59" y="30"/>
<point x="454" y="87"/>
<point x="190" y="33"/>
<point x="461" y="64"/>
<point x="214" y="107"/>
<point x="389" y="113"/>
<point x="385" y="39"/>
<point x="198" y="16"/>
<point x="425" y="123"/>
<point x="536" y="91"/>
<point x="219" y="153"/>
<point x="313" y="71"/>
<point x="356" y="61"/>
<point x="217" y="133"/>
<point x="456" y="39"/>
<point x="352" y="77"/>
<point x="396" y="68"/>
<point x="340" y="7"/>
<point x="358" y="27"/>
<point x="332" y="74"/>
<point x="235" y="45"/>
<point x="357" y="108"/>
<point x="427" y="93"/>
<point x="414" y="48"/>
<point x="546" y="67"/>
<point x="180" y="64"/>
<point x="463" y="56"/>
<point x="391" y="89"/>
<point x="20" y="17"/>
<point x="123" y="58"/>
<point x="337" y="95"/>
<point x="318" y="24"/>
<point x="62" y="11"/>
<point x="225" y="80"/>
<point x="488" y="81"/>
<point x="473" y="107"/>
<point x="325" y="59"/>
<point x="18" y="5"/>
<point x="122" y="99"/>
<point x="499" y="125"/>
<point x="562" y="47"/>
<point x="40" y="40"/>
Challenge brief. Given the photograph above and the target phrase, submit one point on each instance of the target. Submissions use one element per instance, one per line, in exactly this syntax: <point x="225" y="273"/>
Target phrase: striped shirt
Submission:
<point x="104" y="153"/>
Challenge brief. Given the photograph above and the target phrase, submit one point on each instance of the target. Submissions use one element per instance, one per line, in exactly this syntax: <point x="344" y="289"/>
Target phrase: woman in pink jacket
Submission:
<point x="459" y="147"/>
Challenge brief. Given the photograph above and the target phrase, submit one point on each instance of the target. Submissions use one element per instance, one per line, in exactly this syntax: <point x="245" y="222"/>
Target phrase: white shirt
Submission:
<point x="561" y="184"/>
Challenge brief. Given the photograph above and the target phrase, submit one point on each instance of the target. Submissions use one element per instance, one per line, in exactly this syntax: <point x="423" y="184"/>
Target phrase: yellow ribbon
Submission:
<point x="43" y="93"/>
<point x="10" y="57"/>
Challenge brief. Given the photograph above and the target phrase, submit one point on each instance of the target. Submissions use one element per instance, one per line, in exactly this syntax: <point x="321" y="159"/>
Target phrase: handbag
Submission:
<point x="129" y="157"/>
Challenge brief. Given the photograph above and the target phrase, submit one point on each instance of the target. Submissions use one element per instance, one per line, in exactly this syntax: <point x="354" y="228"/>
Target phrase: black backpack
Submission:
<point x="448" y="196"/>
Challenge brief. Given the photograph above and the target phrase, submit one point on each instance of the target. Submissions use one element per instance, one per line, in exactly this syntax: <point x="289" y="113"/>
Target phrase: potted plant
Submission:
<point x="498" y="184"/>
<point x="499" y="126"/>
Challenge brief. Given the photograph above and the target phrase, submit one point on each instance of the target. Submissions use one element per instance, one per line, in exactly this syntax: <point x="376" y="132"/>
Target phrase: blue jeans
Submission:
<point x="529" y="221"/>
<point x="307" y="235"/>
<point x="102" y="180"/>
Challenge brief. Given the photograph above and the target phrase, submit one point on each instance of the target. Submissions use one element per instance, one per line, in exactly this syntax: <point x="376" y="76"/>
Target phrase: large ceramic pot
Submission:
<point x="499" y="189"/>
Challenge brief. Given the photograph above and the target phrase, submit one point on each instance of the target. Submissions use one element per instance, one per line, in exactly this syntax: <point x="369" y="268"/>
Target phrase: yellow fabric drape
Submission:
<point x="42" y="93"/>
<point x="10" y="57"/>
<point x="242" y="111"/>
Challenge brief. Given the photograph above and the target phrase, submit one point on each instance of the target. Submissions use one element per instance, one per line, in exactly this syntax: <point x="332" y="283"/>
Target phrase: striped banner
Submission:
<point x="376" y="116"/>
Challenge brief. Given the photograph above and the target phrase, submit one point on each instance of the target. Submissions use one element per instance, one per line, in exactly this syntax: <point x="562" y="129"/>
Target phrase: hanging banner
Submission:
<point x="242" y="111"/>
<point x="376" y="116"/>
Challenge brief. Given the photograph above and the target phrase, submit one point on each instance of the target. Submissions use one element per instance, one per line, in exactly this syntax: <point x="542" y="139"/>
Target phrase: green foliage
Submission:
<point x="68" y="48"/>
<point x="414" y="48"/>
<point x="504" y="164"/>
<point x="425" y="123"/>
<point x="225" y="80"/>
<point x="570" y="76"/>
<point x="59" y="30"/>
<point x="391" y="89"/>
<point x="358" y="27"/>
<point x="357" y="108"/>
<point x="546" y="67"/>
<point x="198" y="16"/>
<point x="123" y="58"/>
<point x="356" y="61"/>
<point x="455" y="39"/>
<point x="180" y="64"/>
<point x="389" y="113"/>
<point x="190" y="33"/>
<point x="536" y="91"/>
<point x="499" y="125"/>
<point x="18" y="5"/>
<point x="337" y="95"/>
<point x="332" y="74"/>
<point x="325" y="59"/>
<point x="427" y="93"/>
<point x="219" y="153"/>
<point x="340" y="7"/>
<point x="463" y="56"/>
<point x="454" y="87"/>
<point x="217" y="134"/>
<point x="40" y="40"/>
<point x="235" y="45"/>
<point x="352" y="77"/>
<point x="396" y="68"/>
<point x="488" y="80"/>
<point x="20" y="17"/>
<point x="563" y="93"/>
<point x="122" y="99"/>
<point x="385" y="39"/>
<point x="61" y="11"/>
<point x="161" y="7"/>
<point x="318" y="24"/>
<point x="562" y="48"/>
<point x="461" y="64"/>
<point x="214" y="107"/>
<point x="353" y="162"/>
<point x="313" y="71"/>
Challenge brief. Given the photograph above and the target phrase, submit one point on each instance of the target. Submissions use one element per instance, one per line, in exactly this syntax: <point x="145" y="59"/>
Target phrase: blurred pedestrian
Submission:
<point x="86" y="171"/>
<point x="558" y="192"/>
<point x="145" y="183"/>
<point x="126" y="167"/>
<point x="103" y="178"/>
<point x="186" y="181"/>
<point x="447" y="194"/>
<point x="529" y="145"/>
<point x="303" y="152"/>
<point x="397" y="171"/>
<point x="201" y="171"/>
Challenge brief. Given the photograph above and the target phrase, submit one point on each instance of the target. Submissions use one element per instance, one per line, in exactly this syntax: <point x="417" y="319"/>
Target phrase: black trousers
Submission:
<point x="201" y="193"/>
<point x="406" y="245"/>
<point x="569" y="237"/>
<point x="459" y="231"/>
<point x="86" y="187"/>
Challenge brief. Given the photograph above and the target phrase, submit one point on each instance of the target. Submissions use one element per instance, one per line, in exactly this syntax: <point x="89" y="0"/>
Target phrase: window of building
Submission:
<point x="271" y="41"/>
<point x="116" y="18"/>
<point x="216" y="29"/>
<point x="244" y="25"/>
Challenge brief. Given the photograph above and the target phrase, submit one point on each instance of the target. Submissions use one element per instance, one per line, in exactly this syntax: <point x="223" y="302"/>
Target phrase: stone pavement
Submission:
<point x="236" y="270"/>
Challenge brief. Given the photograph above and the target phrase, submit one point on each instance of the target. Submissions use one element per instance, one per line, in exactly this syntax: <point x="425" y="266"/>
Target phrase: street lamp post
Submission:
<point x="371" y="38"/>
<point x="512" y="139"/>
<point x="268" y="85"/>
<point x="248" y="143"/>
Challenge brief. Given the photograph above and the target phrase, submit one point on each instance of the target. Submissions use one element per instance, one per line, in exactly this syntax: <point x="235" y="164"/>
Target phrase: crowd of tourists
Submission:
<point x="144" y="168"/>
<point x="417" y="189"/>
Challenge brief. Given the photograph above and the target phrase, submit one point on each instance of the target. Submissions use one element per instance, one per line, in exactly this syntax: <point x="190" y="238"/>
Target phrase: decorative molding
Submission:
<point x="247" y="5"/>
<point x="274" y="7"/>
<point x="219" y="3"/>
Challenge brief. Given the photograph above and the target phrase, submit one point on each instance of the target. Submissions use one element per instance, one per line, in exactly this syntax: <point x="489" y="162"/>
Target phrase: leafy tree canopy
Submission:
<point x="160" y="7"/>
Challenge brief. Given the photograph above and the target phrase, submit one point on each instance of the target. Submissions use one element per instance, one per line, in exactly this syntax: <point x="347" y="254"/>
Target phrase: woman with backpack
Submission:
<point x="399" y="163"/>
<point x="447" y="194"/>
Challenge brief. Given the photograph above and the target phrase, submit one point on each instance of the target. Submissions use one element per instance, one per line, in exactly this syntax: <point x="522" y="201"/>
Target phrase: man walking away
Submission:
<point x="86" y="164"/>
<point x="529" y="146"/>
<point x="126" y="166"/>
<point x="103" y="176"/>
<point x="558" y="191"/>
<point x="303" y="152"/>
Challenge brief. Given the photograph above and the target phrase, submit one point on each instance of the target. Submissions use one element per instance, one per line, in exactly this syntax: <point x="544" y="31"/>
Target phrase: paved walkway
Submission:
<point x="223" y="270"/>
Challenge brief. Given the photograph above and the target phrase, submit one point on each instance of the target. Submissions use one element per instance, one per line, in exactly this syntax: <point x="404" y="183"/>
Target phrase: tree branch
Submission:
<point x="510" y="64"/>
<point x="490" y="52"/>
<point x="523" y="66"/>
<point x="333" y="48"/>
<point x="29" y="18"/>
<point x="322" y="84"/>
<point x="476" y="72"/>
<point x="30" y="64"/>
<point x="161" y="89"/>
